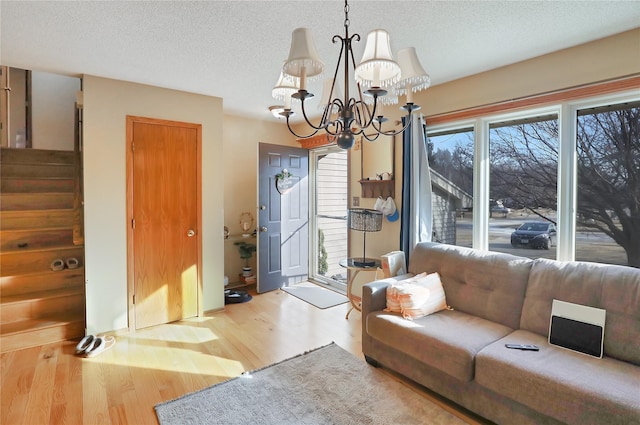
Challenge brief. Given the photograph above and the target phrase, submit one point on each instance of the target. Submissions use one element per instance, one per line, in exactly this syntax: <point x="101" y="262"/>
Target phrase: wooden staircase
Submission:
<point x="40" y="206"/>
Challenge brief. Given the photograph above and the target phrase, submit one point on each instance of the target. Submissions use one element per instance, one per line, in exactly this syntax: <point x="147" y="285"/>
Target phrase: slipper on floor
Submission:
<point x="72" y="263"/>
<point x="100" y="345"/>
<point x="84" y="344"/>
<point x="57" y="265"/>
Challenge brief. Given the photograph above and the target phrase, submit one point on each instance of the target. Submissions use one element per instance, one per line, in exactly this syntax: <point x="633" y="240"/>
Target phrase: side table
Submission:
<point x="350" y="265"/>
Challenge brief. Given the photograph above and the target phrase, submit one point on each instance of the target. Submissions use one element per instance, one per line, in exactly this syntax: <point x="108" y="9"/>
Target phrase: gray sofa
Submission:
<point x="500" y="298"/>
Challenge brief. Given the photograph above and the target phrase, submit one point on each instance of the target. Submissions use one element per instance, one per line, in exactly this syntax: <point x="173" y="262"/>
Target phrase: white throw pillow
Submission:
<point x="393" y="297"/>
<point x="422" y="297"/>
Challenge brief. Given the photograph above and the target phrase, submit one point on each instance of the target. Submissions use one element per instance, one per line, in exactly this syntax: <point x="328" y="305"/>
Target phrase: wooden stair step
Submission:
<point x="31" y="185"/>
<point x="23" y="240"/>
<point x="32" y="333"/>
<point x="27" y="171"/>
<point x="38" y="215"/>
<point x="15" y="263"/>
<point x="35" y="156"/>
<point x="43" y="304"/>
<point x="36" y="219"/>
<point x="6" y="300"/>
<point x="35" y="201"/>
<point x="28" y="283"/>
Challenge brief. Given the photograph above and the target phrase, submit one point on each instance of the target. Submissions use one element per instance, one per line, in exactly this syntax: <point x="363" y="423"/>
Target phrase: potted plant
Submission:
<point x="246" y="251"/>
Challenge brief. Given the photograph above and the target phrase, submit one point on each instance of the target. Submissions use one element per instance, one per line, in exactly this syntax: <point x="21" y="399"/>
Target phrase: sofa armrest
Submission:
<point x="374" y="296"/>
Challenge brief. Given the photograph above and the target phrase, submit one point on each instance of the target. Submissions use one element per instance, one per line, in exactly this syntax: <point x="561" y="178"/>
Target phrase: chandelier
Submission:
<point x="379" y="79"/>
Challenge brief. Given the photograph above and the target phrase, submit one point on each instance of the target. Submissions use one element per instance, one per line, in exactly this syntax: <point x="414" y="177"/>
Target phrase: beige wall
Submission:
<point x="106" y="105"/>
<point x="17" y="112"/>
<point x="240" y="173"/>
<point x="53" y="101"/>
<point x="601" y="60"/>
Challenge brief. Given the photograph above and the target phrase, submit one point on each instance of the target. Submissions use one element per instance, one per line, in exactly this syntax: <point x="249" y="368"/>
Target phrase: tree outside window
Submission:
<point x="609" y="182"/>
<point x="524" y="180"/>
<point x="523" y="184"/>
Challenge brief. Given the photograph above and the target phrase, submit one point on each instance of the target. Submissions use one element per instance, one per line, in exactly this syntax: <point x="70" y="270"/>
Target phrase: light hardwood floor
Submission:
<point x="50" y="385"/>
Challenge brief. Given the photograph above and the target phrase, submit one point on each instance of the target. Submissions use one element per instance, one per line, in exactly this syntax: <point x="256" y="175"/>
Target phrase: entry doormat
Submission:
<point x="316" y="295"/>
<point x="325" y="386"/>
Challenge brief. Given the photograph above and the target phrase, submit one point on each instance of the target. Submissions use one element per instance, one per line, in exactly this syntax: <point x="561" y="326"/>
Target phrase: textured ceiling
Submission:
<point x="234" y="49"/>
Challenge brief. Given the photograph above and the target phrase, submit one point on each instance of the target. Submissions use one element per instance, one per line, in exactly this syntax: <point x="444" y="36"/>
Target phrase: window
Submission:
<point x="451" y="162"/>
<point x="524" y="186"/>
<point x="574" y="165"/>
<point x="608" y="209"/>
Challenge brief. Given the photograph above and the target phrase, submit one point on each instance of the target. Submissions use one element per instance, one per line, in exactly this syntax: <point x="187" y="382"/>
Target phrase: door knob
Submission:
<point x="263" y="229"/>
<point x="263" y="207"/>
<point x="190" y="232"/>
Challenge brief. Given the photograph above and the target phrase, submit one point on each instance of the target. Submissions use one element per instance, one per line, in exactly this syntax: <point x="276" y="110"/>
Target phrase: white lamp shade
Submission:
<point x="327" y="95"/>
<point x="285" y="87"/>
<point x="377" y="67"/>
<point x="303" y="57"/>
<point x="413" y="74"/>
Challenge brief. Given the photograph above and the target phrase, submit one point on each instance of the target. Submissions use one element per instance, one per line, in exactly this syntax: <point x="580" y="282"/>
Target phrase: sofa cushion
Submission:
<point x="447" y="340"/>
<point x="615" y="289"/>
<point x="489" y="285"/>
<point x="569" y="386"/>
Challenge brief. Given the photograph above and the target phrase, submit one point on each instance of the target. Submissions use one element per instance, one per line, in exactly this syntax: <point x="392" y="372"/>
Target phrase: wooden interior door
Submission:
<point x="164" y="239"/>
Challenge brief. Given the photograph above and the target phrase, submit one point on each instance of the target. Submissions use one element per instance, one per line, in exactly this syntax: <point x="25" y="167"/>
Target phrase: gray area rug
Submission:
<point x="316" y="295"/>
<point x="325" y="386"/>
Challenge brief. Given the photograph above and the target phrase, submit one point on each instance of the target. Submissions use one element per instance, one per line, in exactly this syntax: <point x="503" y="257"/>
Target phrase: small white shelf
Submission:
<point x="238" y="237"/>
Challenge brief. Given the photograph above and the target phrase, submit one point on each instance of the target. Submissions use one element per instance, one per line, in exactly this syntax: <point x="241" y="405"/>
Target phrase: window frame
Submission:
<point x="567" y="112"/>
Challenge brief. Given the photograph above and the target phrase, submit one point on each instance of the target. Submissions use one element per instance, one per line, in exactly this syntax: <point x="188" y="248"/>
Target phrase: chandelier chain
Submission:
<point x="346" y="14"/>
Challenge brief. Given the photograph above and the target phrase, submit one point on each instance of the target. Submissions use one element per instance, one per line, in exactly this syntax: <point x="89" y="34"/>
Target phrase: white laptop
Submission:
<point x="577" y="327"/>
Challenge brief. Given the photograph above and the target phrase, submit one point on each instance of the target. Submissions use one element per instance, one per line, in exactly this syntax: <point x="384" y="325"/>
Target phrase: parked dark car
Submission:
<point x="534" y="234"/>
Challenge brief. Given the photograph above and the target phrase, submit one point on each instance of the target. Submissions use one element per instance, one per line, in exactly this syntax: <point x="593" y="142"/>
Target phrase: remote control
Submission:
<point x="526" y="347"/>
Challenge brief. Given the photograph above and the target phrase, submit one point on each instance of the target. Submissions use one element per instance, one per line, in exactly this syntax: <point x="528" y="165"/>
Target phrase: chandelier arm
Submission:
<point x="299" y="136"/>
<point x="348" y="43"/>
<point x="373" y="138"/>
<point x="378" y="128"/>
<point x="358" y="114"/>
<point x="371" y="114"/>
<point x="325" y="115"/>
<point x="356" y="37"/>
<point x="334" y="103"/>
<point x="335" y="132"/>
<point x="337" y="123"/>
<point x="355" y="106"/>
<point x="335" y="73"/>
<point x="357" y="132"/>
<point x="309" y="123"/>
